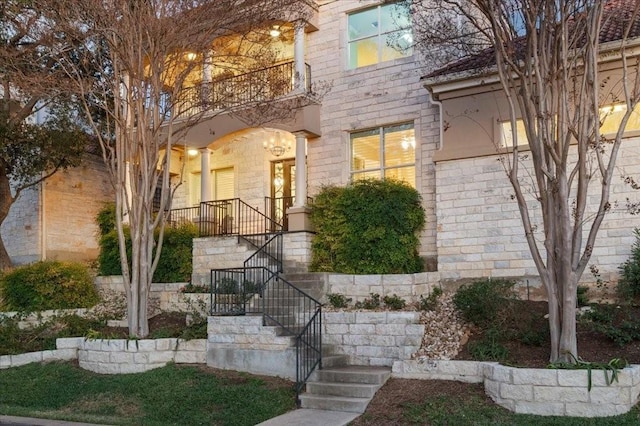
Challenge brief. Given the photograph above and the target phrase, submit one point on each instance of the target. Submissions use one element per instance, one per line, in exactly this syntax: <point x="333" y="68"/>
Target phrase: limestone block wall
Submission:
<point x="72" y="199"/>
<point x="480" y="233"/>
<point x="59" y="354"/>
<point x="359" y="287"/>
<point x="373" y="338"/>
<point x="367" y="97"/>
<point x="120" y="356"/>
<point x="544" y="392"/>
<point x="21" y="229"/>
<point x="242" y="343"/>
<point x="35" y="319"/>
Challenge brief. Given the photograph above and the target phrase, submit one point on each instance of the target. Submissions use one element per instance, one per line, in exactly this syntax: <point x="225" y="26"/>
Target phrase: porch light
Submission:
<point x="191" y="56"/>
<point x="276" y="146"/>
<point x="192" y="152"/>
<point x="275" y="31"/>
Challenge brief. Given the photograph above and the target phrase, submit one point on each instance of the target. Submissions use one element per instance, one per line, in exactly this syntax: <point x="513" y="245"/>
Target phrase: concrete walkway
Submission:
<point x="309" y="417"/>
<point x="28" y="421"/>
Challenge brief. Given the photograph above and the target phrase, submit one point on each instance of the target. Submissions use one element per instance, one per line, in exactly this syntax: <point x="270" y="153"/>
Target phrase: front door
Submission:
<point x="283" y="190"/>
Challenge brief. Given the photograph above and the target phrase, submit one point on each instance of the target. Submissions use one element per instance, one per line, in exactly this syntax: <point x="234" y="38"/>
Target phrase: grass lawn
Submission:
<point x="172" y="395"/>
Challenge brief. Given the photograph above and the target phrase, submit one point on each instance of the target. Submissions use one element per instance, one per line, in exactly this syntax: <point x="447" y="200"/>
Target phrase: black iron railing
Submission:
<point x="238" y="291"/>
<point x="232" y="91"/>
<point x="177" y="217"/>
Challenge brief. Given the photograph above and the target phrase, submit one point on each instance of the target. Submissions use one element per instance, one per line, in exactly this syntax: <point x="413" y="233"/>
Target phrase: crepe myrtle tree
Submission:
<point x="146" y="54"/>
<point x="30" y="81"/>
<point x="547" y="57"/>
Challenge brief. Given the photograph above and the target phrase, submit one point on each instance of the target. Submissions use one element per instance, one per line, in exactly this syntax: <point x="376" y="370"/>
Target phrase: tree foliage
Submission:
<point x="546" y="55"/>
<point x="146" y="54"/>
<point x="31" y="82"/>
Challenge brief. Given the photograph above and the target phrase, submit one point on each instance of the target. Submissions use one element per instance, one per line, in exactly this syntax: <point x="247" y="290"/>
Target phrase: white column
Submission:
<point x="301" y="170"/>
<point x="207" y="67"/>
<point x="205" y="174"/>
<point x="298" y="56"/>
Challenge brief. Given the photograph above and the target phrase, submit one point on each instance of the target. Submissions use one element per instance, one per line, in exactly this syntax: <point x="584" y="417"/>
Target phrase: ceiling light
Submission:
<point x="192" y="152"/>
<point x="275" y="31"/>
<point x="191" y="56"/>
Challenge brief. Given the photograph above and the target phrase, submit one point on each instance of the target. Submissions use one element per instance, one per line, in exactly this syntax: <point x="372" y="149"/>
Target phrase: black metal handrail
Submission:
<point x="227" y="92"/>
<point x="234" y="291"/>
<point x="233" y="217"/>
<point x="269" y="255"/>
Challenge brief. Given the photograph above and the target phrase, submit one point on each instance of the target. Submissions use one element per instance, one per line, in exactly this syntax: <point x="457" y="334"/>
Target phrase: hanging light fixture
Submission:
<point x="276" y="146"/>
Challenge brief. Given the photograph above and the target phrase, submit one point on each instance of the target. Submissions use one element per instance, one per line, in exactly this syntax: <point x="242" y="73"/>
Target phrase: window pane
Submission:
<point x="394" y="17"/>
<point x="612" y="117"/>
<point x="506" y="135"/>
<point x="365" y="150"/>
<point x="363" y="24"/>
<point x="399" y="146"/>
<point x="396" y="45"/>
<point x="406" y="174"/>
<point x="366" y="175"/>
<point x="363" y="52"/>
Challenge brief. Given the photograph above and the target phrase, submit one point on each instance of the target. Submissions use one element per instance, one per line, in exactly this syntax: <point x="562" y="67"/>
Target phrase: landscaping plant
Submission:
<point x="48" y="285"/>
<point x="367" y="227"/>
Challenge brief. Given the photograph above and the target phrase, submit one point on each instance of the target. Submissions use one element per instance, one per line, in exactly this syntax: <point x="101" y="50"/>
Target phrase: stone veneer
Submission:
<point x="544" y="392"/>
<point x="373" y="338"/>
<point x="480" y="232"/>
<point x="407" y="286"/>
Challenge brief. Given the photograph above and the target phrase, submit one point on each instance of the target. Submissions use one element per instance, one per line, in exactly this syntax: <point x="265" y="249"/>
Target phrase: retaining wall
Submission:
<point x="373" y="338"/>
<point x="407" y="286"/>
<point x="544" y="392"/>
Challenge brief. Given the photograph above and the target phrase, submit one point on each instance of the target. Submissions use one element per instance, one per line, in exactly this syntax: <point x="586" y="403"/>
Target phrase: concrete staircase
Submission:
<point x="344" y="388"/>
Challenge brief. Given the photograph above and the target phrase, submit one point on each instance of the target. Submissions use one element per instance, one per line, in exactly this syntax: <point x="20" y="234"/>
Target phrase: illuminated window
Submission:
<point x="611" y="117"/>
<point x="379" y="34"/>
<point x="506" y="134"/>
<point x="384" y="152"/>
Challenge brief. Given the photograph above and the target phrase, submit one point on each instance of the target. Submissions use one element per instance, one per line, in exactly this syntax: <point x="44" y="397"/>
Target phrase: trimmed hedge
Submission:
<point x="48" y="285"/>
<point x="367" y="227"/>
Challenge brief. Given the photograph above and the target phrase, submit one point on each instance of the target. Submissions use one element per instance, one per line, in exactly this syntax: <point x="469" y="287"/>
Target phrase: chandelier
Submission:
<point x="276" y="146"/>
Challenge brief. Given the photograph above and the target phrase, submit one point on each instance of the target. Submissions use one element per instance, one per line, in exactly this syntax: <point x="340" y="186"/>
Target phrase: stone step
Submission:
<point x="329" y="361"/>
<point x="334" y="403"/>
<point x="352" y="390"/>
<point x="354" y="374"/>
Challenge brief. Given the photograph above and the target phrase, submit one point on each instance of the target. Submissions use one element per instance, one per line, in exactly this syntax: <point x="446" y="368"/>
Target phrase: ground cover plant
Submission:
<point x="172" y="395"/>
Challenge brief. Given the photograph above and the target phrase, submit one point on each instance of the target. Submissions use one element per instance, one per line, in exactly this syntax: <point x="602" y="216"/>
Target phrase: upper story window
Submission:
<point x="384" y="152"/>
<point x="610" y="119"/>
<point x="379" y="34"/>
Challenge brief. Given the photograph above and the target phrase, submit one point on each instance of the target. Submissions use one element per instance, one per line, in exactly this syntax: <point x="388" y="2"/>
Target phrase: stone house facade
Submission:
<point x="377" y="120"/>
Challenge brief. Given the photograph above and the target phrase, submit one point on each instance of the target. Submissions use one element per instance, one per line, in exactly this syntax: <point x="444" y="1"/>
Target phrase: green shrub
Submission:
<point x="490" y="347"/>
<point x="482" y="301"/>
<point x="338" y="300"/>
<point x="583" y="299"/>
<point x="629" y="282"/>
<point x="106" y="218"/>
<point x="394" y="302"/>
<point x="48" y="285"/>
<point x="175" y="263"/>
<point x="372" y="302"/>
<point x="194" y="288"/>
<point x="367" y="227"/>
<point x="429" y="303"/>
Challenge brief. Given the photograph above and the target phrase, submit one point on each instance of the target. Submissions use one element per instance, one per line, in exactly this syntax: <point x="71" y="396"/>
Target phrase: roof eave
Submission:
<point x="489" y="75"/>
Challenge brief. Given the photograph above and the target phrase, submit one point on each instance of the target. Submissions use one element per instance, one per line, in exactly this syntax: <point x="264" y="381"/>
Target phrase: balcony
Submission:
<point x="237" y="91"/>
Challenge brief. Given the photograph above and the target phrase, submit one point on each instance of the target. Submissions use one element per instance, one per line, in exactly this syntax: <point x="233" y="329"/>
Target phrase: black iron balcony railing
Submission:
<point x="231" y="92"/>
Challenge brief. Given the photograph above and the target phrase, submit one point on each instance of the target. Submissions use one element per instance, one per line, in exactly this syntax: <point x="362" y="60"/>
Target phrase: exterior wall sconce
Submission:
<point x="275" y="31"/>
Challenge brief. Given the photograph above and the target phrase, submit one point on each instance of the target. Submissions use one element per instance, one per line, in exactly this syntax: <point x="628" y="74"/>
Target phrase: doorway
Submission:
<point x="283" y="190"/>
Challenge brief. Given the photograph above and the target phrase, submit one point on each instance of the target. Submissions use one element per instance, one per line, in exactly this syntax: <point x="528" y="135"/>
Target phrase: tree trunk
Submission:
<point x="6" y="200"/>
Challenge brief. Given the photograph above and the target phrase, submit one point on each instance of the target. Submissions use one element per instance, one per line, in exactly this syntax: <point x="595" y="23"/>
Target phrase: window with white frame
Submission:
<point x="379" y="34"/>
<point x="505" y="133"/>
<point x="384" y="152"/>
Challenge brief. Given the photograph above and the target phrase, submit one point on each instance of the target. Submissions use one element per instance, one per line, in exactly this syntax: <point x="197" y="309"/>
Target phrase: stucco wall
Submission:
<point x="371" y="96"/>
<point x="480" y="232"/>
